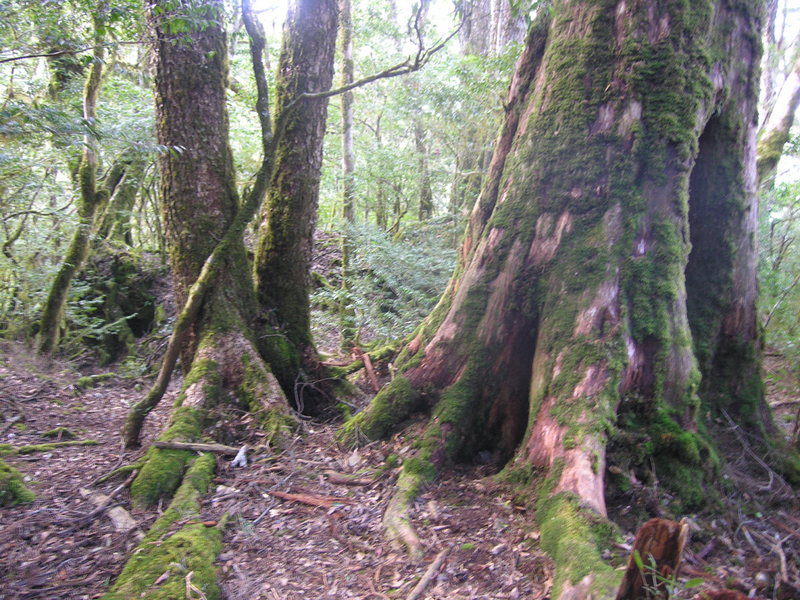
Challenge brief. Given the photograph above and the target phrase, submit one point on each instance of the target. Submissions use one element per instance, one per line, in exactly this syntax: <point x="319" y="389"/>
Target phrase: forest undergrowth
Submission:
<point x="306" y="521"/>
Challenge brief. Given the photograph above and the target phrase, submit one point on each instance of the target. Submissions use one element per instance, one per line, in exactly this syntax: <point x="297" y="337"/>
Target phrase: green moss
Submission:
<point x="685" y="462"/>
<point x="572" y="536"/>
<point x="391" y="406"/>
<point x="420" y="468"/>
<point x="92" y="380"/>
<point x="12" y="489"/>
<point x="193" y="547"/>
<point x="163" y="470"/>
<point x="9" y="449"/>
<point x="62" y="432"/>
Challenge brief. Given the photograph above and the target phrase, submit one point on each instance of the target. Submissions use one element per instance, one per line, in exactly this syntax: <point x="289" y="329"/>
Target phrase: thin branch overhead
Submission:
<point x="410" y="65"/>
<point x="73" y="52"/>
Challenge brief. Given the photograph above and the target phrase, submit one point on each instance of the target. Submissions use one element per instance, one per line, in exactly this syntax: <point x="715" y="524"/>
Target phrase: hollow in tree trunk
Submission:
<point x="608" y="272"/>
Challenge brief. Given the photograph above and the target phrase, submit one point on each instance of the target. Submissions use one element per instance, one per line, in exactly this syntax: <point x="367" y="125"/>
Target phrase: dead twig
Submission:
<point x="104" y="506"/>
<point x="426" y="579"/>
<point x="324" y="501"/>
<point x="218" y="448"/>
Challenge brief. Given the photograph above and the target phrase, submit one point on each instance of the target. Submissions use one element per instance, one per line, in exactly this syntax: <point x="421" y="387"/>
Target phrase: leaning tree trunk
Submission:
<point x="289" y="214"/>
<point x="200" y="203"/>
<point x="570" y="305"/>
<point x="90" y="201"/>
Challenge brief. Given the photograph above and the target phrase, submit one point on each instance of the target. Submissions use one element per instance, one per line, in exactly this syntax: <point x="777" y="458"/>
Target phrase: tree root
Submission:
<point x="192" y="549"/>
<point x="570" y="535"/>
<point x="395" y="519"/>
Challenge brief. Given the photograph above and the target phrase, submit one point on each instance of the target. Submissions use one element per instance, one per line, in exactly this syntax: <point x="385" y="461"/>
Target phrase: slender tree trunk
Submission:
<point x="425" y="191"/>
<point x="289" y="214"/>
<point x="778" y="126"/>
<point x="91" y="199"/>
<point x="570" y="306"/>
<point x="116" y="221"/>
<point x="347" y="324"/>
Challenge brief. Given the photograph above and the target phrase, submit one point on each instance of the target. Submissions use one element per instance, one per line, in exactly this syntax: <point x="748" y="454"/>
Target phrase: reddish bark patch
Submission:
<point x="603" y="309"/>
<point x="547" y="239"/>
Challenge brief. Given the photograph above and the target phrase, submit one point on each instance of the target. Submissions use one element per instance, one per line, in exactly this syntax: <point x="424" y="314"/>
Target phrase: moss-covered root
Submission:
<point x="191" y="549"/>
<point x="395" y="519"/>
<point x="9" y="449"/>
<point x="163" y="470"/>
<point x="572" y="535"/>
<point x="12" y="489"/>
<point x="391" y="406"/>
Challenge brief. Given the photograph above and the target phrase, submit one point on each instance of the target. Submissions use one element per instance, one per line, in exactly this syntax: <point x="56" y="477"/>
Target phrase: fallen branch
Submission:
<point x="784" y="403"/>
<point x="324" y="501"/>
<point x="344" y="479"/>
<point x="9" y="449"/>
<point x="426" y="579"/>
<point x="373" y="380"/>
<point x="218" y="448"/>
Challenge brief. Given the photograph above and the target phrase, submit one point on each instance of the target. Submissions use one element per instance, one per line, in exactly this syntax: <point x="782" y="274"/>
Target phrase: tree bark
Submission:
<point x="91" y="200"/>
<point x="570" y="305"/>
<point x="289" y="214"/>
<point x="347" y="324"/>
<point x="201" y="206"/>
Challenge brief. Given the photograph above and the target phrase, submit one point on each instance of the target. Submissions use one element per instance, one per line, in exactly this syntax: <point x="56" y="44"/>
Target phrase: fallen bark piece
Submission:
<point x="120" y="518"/>
<point x="217" y="448"/>
<point x="659" y="545"/>
<point x="429" y="574"/>
<point x="373" y="380"/>
<point x="324" y="501"/>
<point x="344" y="479"/>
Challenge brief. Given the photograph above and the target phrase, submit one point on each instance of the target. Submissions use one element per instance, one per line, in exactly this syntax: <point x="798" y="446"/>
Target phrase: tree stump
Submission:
<point x="660" y="545"/>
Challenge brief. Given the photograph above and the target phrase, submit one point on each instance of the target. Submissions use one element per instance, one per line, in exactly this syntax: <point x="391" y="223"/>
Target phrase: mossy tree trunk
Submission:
<point x="90" y="200"/>
<point x="608" y="269"/>
<point x="778" y="126"/>
<point x="200" y="205"/>
<point x="115" y="225"/>
<point x="347" y="324"/>
<point x="289" y="213"/>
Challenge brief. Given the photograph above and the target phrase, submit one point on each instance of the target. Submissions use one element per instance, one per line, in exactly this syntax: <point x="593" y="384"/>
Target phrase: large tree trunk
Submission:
<point x="289" y="214"/>
<point x="570" y="305"/>
<point x="200" y="203"/>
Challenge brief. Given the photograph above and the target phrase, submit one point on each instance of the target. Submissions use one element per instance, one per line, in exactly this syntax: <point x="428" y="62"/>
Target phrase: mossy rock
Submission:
<point x="12" y="490"/>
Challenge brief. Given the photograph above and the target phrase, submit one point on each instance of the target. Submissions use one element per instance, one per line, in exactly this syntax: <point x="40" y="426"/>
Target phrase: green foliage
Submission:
<point x="779" y="264"/>
<point x="659" y="585"/>
<point x="395" y="282"/>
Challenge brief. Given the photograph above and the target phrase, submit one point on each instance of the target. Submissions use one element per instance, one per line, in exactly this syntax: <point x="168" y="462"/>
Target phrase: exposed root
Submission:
<point x="395" y="519"/>
<point x="192" y="548"/>
<point x="569" y="535"/>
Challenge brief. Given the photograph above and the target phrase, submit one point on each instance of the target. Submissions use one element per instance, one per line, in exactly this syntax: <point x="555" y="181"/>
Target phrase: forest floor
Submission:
<point x="326" y="541"/>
